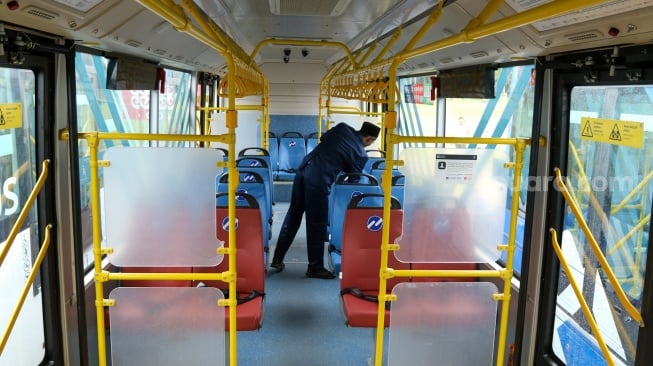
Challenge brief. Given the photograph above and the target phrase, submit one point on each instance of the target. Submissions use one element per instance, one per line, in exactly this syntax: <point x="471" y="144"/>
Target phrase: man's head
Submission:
<point x="369" y="132"/>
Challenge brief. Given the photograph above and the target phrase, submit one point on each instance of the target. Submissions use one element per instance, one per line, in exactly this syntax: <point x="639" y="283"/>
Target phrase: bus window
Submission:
<point x="125" y="111"/>
<point x="17" y="179"/>
<point x="509" y="114"/>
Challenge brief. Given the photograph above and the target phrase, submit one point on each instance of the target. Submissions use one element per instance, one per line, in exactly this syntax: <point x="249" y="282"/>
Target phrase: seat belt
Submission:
<point x="361" y="295"/>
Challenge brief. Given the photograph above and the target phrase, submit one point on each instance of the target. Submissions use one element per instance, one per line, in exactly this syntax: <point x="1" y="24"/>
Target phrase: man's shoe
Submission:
<point x="320" y="273"/>
<point x="278" y="265"/>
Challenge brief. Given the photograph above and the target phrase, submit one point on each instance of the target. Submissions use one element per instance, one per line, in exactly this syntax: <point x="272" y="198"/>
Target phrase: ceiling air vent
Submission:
<point x="478" y="54"/>
<point x="160" y="52"/>
<point x="446" y="60"/>
<point x="584" y="36"/>
<point x="330" y="8"/>
<point x="41" y="13"/>
<point x="133" y="43"/>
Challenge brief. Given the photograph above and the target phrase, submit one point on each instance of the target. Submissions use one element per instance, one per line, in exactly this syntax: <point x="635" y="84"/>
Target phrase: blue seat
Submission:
<point x="377" y="167"/>
<point x="273" y="149"/>
<point x="398" y="183"/>
<point x="258" y="164"/>
<point x="292" y="149"/>
<point x="371" y="158"/>
<point x="311" y="142"/>
<point x="347" y="186"/>
<point x="252" y="183"/>
<point x="225" y="153"/>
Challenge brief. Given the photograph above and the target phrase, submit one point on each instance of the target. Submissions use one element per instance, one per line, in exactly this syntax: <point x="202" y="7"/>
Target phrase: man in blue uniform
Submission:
<point x="341" y="149"/>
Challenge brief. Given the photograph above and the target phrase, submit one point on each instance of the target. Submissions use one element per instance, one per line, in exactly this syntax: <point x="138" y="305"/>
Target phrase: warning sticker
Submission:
<point x="612" y="131"/>
<point x="455" y="168"/>
<point x="11" y="115"/>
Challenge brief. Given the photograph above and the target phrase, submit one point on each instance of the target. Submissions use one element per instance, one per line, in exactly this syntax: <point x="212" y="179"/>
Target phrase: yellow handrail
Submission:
<point x="25" y="211"/>
<point x="26" y="288"/>
<point x="579" y="295"/>
<point x="634" y="313"/>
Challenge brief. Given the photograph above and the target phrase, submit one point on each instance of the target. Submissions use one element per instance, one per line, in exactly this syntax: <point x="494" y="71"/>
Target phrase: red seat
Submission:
<point x="250" y="267"/>
<point x="361" y="258"/>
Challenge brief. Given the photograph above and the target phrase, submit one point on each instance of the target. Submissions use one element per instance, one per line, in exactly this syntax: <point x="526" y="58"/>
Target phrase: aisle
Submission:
<point x="302" y="323"/>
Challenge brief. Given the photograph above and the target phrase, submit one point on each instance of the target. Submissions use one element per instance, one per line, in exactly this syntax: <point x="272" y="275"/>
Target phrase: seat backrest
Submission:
<point x="345" y="187"/>
<point x="249" y="182"/>
<point x="225" y="153"/>
<point x="361" y="245"/>
<point x="273" y="149"/>
<point x="292" y="149"/>
<point x="260" y="153"/>
<point x="377" y="168"/>
<point x="372" y="156"/>
<point x="261" y="166"/>
<point x="249" y="241"/>
<point x="311" y="142"/>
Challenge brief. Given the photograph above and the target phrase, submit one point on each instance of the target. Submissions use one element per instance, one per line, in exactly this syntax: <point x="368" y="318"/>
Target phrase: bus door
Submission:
<point x="35" y="331"/>
<point x="605" y="157"/>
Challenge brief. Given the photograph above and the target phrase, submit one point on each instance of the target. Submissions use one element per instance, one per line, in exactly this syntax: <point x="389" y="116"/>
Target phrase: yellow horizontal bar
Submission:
<point x="165" y="276"/>
<point x="446" y="273"/>
<point x="239" y="107"/>
<point x="337" y="111"/>
<point x="224" y="138"/>
<point x="463" y="140"/>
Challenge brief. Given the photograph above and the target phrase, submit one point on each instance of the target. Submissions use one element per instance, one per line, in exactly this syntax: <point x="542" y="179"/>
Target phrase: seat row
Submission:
<point x="361" y="258"/>
<point x="287" y="152"/>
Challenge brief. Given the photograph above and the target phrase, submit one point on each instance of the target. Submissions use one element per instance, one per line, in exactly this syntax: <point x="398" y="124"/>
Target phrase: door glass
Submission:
<point x="25" y="345"/>
<point x="609" y="171"/>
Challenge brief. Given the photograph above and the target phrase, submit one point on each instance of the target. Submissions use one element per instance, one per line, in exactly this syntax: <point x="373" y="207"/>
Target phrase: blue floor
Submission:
<point x="303" y="323"/>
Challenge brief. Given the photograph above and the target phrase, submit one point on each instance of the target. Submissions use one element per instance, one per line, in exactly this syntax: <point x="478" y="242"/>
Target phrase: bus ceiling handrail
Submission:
<point x="632" y="311"/>
<point x="475" y="30"/>
<point x="26" y="287"/>
<point x="579" y="296"/>
<point x="25" y="211"/>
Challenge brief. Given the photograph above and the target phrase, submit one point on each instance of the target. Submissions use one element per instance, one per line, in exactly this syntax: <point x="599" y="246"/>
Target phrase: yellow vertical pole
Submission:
<point x="507" y="273"/>
<point x="232" y="123"/>
<point x="93" y="142"/>
<point x="390" y="124"/>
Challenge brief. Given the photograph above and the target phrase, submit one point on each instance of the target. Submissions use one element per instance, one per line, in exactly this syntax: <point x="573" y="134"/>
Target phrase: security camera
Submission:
<point x="286" y="52"/>
<point x="304" y="52"/>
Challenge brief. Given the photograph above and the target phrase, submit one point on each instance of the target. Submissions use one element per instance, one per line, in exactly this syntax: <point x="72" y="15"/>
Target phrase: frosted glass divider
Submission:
<point x="442" y="323"/>
<point x="454" y="204"/>
<point x="160" y="206"/>
<point x="167" y="326"/>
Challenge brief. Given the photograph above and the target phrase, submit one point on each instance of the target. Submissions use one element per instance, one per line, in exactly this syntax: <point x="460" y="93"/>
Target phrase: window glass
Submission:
<point x="124" y="111"/>
<point x="25" y="345"/>
<point x="609" y="178"/>
<point x="509" y="114"/>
